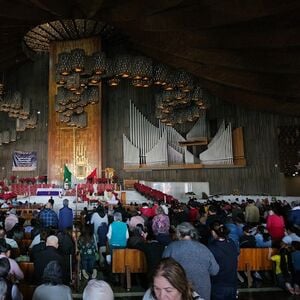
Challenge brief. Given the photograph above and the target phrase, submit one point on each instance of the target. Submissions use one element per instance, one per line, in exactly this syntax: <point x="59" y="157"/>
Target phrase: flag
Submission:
<point x="92" y="175"/>
<point x="67" y="175"/>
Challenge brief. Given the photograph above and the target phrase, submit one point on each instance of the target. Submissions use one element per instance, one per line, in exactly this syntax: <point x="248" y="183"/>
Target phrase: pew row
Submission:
<point x="254" y="259"/>
<point x="128" y="261"/>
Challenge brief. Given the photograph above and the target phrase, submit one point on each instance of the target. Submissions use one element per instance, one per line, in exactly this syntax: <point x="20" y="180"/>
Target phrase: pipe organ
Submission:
<point x="149" y="145"/>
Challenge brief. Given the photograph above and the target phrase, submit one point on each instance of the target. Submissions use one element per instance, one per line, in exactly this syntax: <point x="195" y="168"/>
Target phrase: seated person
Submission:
<point x="247" y="240"/>
<point x="97" y="289"/>
<point x="52" y="287"/>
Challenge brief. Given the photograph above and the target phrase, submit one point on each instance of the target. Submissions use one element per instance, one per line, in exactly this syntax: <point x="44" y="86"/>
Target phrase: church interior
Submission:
<point x="171" y="98"/>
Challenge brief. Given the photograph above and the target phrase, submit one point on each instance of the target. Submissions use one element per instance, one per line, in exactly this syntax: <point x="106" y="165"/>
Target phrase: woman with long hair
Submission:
<point x="88" y="252"/>
<point x="170" y="282"/>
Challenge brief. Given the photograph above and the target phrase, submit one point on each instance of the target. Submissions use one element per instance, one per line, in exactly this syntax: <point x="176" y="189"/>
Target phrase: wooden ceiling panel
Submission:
<point x="245" y="52"/>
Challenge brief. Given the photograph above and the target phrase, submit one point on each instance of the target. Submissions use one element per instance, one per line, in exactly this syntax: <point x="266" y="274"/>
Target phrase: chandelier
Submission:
<point x="77" y="74"/>
<point x="18" y="108"/>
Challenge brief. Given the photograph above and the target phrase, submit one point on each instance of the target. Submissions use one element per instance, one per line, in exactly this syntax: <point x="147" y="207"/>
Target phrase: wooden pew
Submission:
<point x="127" y="261"/>
<point x="254" y="259"/>
<point x="28" y="270"/>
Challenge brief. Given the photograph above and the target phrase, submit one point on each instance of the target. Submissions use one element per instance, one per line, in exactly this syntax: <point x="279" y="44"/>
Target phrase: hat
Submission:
<point x="287" y="240"/>
<point x="98" y="289"/>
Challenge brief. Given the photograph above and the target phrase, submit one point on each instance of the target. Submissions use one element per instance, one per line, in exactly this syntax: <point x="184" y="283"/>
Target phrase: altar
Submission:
<point x="50" y="192"/>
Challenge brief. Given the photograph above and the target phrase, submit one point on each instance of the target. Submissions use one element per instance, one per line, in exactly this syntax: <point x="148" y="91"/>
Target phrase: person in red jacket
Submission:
<point x="275" y="225"/>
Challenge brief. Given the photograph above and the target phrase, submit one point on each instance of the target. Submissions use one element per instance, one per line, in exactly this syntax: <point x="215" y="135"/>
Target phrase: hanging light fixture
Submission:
<point x="184" y="81"/>
<point x="142" y="68"/>
<point x="170" y="83"/>
<point x="73" y="82"/>
<point x="95" y="79"/>
<point x="63" y="66"/>
<point x="20" y="125"/>
<point x="59" y="108"/>
<point x="60" y="79"/>
<point x="123" y="64"/>
<point x="113" y="81"/>
<point x="160" y="74"/>
<point x="6" y="137"/>
<point x="79" y="110"/>
<point x="2" y="89"/>
<point x="78" y="60"/>
<point x="99" y="63"/>
<point x="61" y="96"/>
<point x="93" y="95"/>
<point x="31" y="122"/>
<point x="16" y="101"/>
<point x="63" y="118"/>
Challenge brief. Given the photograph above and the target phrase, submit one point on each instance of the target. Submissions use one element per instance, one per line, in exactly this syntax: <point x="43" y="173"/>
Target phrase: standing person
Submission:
<point x="275" y="225"/>
<point x="225" y="251"/>
<point x="196" y="259"/>
<point x="252" y="215"/>
<point x="161" y="226"/>
<point x="293" y="216"/>
<point x="43" y="257"/>
<point x="48" y="217"/>
<point x="65" y="216"/>
<point x="98" y="217"/>
<point x="170" y="283"/>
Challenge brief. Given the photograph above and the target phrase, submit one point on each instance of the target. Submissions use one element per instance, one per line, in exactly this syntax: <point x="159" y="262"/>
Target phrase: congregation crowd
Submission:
<point x="191" y="249"/>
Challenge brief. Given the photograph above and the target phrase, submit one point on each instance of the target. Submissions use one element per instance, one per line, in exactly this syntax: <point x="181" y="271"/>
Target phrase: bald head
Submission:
<point x="52" y="240"/>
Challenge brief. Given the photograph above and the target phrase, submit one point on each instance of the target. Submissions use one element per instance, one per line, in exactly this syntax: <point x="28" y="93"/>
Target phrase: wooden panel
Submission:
<point x="129" y="183"/>
<point x="136" y="261"/>
<point x="118" y="261"/>
<point x="254" y="259"/>
<point x="238" y="147"/>
<point x="64" y="143"/>
<point x="123" y="198"/>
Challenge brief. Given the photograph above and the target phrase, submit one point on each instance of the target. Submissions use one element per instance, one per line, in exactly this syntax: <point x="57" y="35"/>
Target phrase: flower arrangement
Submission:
<point x="28" y="180"/>
<point x="42" y="179"/>
<point x="13" y="178"/>
<point x="102" y="180"/>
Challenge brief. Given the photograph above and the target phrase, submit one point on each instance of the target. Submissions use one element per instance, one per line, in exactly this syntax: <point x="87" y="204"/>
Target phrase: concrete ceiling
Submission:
<point x="246" y="52"/>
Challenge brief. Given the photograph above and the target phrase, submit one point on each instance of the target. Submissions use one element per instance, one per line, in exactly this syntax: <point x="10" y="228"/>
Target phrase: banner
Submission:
<point x="67" y="175"/>
<point x="92" y="175"/>
<point x="24" y="161"/>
